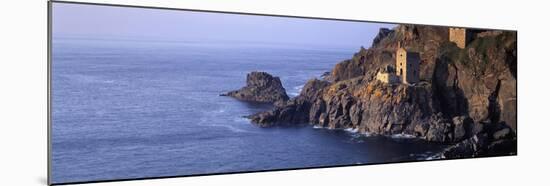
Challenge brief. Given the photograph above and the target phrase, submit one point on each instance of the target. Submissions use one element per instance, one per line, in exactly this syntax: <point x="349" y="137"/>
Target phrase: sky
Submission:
<point x="109" y="22"/>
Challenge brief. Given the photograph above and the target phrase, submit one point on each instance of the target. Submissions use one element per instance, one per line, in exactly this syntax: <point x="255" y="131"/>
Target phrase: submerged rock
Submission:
<point x="261" y="87"/>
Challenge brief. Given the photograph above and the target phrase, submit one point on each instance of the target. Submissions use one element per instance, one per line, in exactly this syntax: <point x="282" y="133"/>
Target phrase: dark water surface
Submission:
<point x="133" y="109"/>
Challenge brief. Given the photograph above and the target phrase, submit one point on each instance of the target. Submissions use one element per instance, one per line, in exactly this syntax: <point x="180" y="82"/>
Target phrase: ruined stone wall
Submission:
<point x="458" y="36"/>
<point x="388" y="78"/>
<point x="413" y="68"/>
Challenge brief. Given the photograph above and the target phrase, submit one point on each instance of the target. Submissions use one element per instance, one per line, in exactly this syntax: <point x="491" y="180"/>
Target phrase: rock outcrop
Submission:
<point x="465" y="97"/>
<point x="383" y="33"/>
<point x="294" y="111"/>
<point x="261" y="87"/>
<point x="496" y="140"/>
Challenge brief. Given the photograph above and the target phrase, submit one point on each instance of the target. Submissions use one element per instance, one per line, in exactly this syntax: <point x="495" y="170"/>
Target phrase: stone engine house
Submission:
<point x="460" y="36"/>
<point x="407" y="65"/>
<point x="387" y="75"/>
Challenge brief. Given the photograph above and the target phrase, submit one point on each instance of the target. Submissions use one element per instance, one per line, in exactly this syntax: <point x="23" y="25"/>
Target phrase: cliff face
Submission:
<point x="463" y="93"/>
<point x="480" y="80"/>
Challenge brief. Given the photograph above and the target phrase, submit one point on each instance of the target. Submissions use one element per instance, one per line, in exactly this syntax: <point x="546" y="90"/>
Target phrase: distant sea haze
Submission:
<point x="134" y="109"/>
<point x="227" y="41"/>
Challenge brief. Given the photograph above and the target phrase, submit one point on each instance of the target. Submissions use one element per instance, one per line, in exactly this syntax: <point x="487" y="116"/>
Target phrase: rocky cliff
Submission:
<point x="260" y="87"/>
<point x="465" y="96"/>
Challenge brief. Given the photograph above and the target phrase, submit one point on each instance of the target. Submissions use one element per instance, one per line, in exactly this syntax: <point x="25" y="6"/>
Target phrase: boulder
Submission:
<point x="468" y="148"/>
<point x="502" y="134"/>
<point x="440" y="129"/>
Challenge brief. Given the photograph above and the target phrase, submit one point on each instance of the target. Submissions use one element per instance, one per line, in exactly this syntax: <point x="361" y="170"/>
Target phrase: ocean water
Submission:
<point x="135" y="109"/>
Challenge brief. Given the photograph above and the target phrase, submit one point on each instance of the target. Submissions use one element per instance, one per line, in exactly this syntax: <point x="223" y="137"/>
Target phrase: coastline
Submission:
<point x="442" y="103"/>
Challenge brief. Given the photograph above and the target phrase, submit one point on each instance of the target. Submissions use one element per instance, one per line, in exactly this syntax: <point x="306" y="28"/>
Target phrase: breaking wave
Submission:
<point x="295" y="91"/>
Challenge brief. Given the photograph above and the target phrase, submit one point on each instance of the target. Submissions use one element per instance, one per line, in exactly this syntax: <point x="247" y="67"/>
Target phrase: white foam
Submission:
<point x="317" y="127"/>
<point x="296" y="90"/>
<point x="352" y="130"/>
<point x="321" y="127"/>
<point x="367" y="134"/>
<point x="435" y="157"/>
<point x="241" y="119"/>
<point x="402" y="136"/>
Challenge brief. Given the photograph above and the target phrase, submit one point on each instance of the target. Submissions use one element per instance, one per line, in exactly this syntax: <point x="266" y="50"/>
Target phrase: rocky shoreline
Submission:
<point x="466" y="97"/>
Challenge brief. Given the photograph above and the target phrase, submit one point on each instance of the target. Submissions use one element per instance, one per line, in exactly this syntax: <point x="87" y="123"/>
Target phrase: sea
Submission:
<point x="127" y="109"/>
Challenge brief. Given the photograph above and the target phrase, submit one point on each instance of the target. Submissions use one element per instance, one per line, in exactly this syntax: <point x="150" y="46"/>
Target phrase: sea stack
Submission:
<point x="260" y="87"/>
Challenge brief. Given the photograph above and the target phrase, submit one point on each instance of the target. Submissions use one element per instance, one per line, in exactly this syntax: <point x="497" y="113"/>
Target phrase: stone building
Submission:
<point x="460" y="36"/>
<point x="407" y="65"/>
<point x="387" y="75"/>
